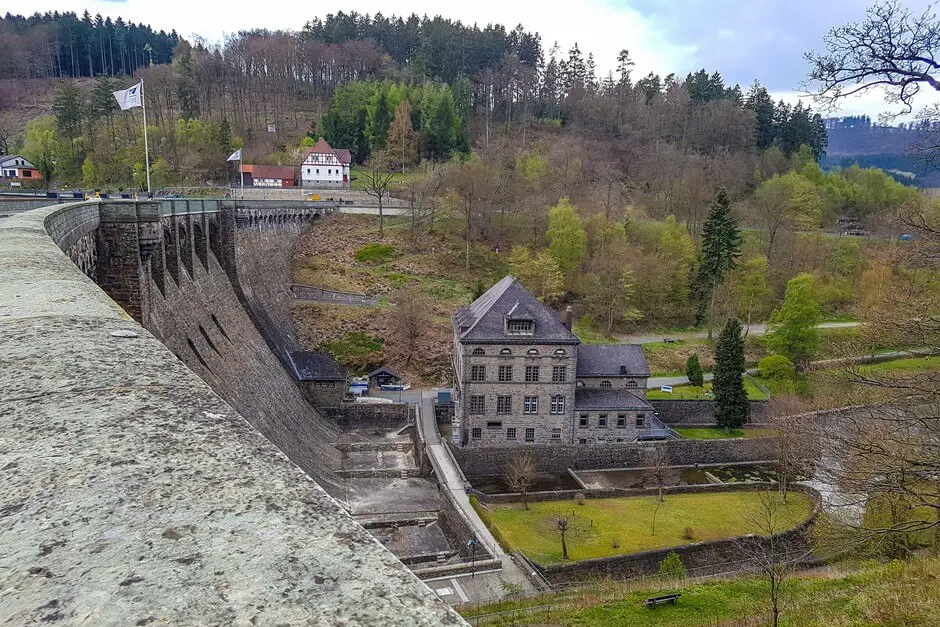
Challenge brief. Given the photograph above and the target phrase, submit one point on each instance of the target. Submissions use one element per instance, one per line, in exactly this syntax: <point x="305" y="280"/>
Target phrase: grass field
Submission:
<point x="692" y="392"/>
<point x="599" y="524"/>
<point x="896" y="593"/>
<point x="714" y="433"/>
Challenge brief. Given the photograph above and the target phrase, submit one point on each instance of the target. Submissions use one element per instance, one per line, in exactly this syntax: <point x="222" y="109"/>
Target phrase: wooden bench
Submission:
<point x="666" y="598"/>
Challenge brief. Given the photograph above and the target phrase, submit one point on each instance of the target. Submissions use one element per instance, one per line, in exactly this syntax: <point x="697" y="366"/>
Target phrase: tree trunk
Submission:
<point x="564" y="546"/>
<point x="381" y="219"/>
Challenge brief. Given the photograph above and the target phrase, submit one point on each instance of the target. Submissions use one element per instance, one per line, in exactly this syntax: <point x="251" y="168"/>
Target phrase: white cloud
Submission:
<point x="596" y="25"/>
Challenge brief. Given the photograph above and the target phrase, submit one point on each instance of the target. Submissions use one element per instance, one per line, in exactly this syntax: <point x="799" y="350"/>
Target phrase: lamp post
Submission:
<point x="472" y="543"/>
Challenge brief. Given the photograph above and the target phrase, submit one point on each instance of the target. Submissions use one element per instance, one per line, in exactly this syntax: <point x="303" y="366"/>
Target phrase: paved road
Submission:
<point x="754" y="329"/>
<point x="484" y="586"/>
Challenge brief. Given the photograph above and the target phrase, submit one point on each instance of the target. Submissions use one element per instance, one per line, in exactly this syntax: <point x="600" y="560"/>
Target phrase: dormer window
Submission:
<point x="478" y="351"/>
<point x="505" y="351"/>
<point x="520" y="326"/>
<point x="532" y="352"/>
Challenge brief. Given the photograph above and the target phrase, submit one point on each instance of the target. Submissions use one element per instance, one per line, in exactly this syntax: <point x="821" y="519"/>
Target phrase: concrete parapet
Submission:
<point x="134" y="494"/>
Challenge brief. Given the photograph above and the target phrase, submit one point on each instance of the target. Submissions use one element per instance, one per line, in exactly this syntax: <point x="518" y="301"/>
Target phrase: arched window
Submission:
<point x="580" y="384"/>
<point x="560" y="352"/>
<point x="631" y="384"/>
<point x="505" y="351"/>
<point x="605" y="384"/>
<point x="533" y="351"/>
<point x="478" y="351"/>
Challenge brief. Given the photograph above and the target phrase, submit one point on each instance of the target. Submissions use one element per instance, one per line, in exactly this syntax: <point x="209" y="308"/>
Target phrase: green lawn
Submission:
<point x="903" y="366"/>
<point x="714" y="433"/>
<point x="897" y="593"/>
<point x="600" y="523"/>
<point x="692" y="392"/>
<point x="357" y="179"/>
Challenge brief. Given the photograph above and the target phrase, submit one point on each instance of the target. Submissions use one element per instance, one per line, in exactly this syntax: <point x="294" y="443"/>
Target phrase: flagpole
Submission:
<point x="241" y="173"/>
<point x="143" y="104"/>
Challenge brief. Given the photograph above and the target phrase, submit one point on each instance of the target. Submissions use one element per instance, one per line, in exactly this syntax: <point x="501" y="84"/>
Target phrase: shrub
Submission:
<point x="776" y="367"/>
<point x="375" y="253"/>
<point x="512" y="588"/>
<point x="672" y="567"/>
<point x="579" y="498"/>
<point x="687" y="534"/>
<point x="615" y="542"/>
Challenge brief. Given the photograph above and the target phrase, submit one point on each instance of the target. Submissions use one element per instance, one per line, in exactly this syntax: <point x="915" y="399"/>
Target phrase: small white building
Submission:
<point x="322" y="166"/>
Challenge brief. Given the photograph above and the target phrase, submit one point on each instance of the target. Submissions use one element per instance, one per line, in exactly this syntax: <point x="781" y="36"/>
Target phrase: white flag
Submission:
<point x="128" y="98"/>
<point x="235" y="156"/>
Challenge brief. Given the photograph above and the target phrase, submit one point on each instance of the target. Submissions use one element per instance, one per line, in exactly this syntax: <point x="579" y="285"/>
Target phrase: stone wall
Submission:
<point x="559" y="458"/>
<point x="379" y="416"/>
<point x="700" y="558"/>
<point x="696" y="412"/>
<point x="457" y="529"/>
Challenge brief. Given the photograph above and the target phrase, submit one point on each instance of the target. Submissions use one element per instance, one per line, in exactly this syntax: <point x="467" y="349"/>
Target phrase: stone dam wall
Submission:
<point x="133" y="493"/>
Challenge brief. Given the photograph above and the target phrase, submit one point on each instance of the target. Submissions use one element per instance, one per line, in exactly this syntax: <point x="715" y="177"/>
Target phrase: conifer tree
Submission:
<point x="721" y="245"/>
<point x="728" y="384"/>
<point x="693" y="370"/>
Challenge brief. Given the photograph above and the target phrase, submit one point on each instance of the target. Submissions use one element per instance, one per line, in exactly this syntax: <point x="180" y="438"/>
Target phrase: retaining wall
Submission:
<point x="377" y="415"/>
<point x="559" y="458"/>
<point x="698" y="412"/>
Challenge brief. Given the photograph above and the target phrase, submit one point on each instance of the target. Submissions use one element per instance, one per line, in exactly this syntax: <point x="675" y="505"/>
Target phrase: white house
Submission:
<point x="324" y="167"/>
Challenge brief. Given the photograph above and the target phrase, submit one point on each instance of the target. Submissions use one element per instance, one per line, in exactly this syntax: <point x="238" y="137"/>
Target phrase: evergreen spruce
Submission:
<point x="728" y="384"/>
<point x="721" y="245"/>
<point x="693" y="370"/>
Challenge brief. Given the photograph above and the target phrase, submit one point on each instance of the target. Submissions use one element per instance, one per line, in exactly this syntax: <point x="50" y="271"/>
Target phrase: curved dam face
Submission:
<point x="224" y="310"/>
<point x="133" y="492"/>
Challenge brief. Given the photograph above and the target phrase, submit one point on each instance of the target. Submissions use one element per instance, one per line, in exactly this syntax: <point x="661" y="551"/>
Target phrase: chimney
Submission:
<point x="569" y="314"/>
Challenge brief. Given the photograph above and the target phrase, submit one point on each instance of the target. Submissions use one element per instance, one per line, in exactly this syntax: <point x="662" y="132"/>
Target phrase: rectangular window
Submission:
<point x="531" y="374"/>
<point x="640" y="419"/>
<point x="530" y="405"/>
<point x="503" y="404"/>
<point x="477" y="404"/>
<point x="520" y="327"/>
<point x="559" y="374"/>
<point x="621" y="421"/>
<point x="494" y="425"/>
<point x="477" y="374"/>
<point x="583" y="420"/>
<point x="582" y="441"/>
<point x="556" y="434"/>
<point x="505" y="374"/>
<point x="530" y="434"/>
<point x="318" y="170"/>
<point x="511" y="433"/>
<point x="477" y="433"/>
<point x="602" y="420"/>
<point x="558" y="404"/>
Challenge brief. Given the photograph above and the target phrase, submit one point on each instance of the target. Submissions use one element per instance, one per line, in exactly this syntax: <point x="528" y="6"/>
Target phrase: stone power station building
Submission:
<point x="524" y="377"/>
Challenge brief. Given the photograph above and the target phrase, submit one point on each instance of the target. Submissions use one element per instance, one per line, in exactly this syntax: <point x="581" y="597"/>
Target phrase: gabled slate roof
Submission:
<point x="316" y="366"/>
<point x="483" y="321"/>
<point x="384" y="370"/>
<point x="610" y="399"/>
<point x="605" y="361"/>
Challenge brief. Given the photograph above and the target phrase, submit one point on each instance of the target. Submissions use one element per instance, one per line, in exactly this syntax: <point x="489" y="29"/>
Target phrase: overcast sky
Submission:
<point x="744" y="40"/>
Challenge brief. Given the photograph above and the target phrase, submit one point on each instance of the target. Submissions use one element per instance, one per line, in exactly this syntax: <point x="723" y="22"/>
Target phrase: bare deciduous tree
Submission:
<point x="659" y="471"/>
<point x="520" y="475"/>
<point x="794" y="447"/>
<point x="408" y="321"/>
<point x="562" y="524"/>
<point x="377" y="178"/>
<point x="773" y="555"/>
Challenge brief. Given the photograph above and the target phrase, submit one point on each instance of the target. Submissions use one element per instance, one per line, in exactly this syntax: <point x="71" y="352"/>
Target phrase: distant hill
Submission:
<point x="892" y="148"/>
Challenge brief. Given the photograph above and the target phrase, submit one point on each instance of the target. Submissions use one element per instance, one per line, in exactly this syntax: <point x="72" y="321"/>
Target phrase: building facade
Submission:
<point x="269" y="176"/>
<point x="324" y="167"/>
<point x="16" y="168"/>
<point x="523" y="377"/>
